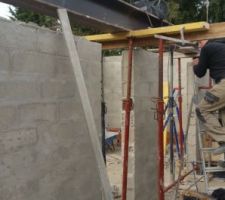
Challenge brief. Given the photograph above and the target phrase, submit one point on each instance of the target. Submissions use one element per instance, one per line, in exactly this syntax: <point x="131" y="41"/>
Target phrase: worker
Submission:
<point x="212" y="58"/>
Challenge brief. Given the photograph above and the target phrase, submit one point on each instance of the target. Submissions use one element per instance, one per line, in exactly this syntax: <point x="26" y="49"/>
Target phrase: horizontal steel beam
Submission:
<point x="103" y="15"/>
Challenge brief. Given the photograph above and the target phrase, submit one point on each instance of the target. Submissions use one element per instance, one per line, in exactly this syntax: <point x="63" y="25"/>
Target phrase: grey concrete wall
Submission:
<point x="112" y="90"/>
<point x="145" y="88"/>
<point x="131" y="158"/>
<point x="193" y="82"/>
<point x="45" y="151"/>
<point x="185" y="81"/>
<point x="143" y="143"/>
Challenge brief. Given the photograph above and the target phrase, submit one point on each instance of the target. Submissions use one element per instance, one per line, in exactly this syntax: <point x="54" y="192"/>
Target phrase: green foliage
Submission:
<point x="82" y="31"/>
<point x="180" y="11"/>
<point x="29" y="16"/>
<point x="184" y="11"/>
<point x="114" y="52"/>
<point x="217" y="11"/>
<point x="46" y="21"/>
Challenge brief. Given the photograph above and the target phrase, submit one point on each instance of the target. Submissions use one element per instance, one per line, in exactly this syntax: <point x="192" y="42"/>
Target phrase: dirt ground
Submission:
<point x="114" y="167"/>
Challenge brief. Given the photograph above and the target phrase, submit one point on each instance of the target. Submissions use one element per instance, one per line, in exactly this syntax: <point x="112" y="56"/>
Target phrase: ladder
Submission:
<point x="207" y="167"/>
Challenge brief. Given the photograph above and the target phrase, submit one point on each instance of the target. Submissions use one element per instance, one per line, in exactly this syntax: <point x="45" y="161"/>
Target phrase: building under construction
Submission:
<point x="76" y="124"/>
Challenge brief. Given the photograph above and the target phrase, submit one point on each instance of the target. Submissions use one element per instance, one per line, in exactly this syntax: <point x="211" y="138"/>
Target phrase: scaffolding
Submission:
<point x="130" y="39"/>
<point x="148" y="38"/>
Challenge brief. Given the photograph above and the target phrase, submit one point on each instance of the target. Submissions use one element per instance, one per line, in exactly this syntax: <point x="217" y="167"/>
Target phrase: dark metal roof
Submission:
<point x="103" y="15"/>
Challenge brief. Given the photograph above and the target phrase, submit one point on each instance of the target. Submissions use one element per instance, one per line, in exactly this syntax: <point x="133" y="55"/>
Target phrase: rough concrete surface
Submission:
<point x="112" y="90"/>
<point x="143" y="140"/>
<point x="145" y="88"/>
<point x="45" y="151"/>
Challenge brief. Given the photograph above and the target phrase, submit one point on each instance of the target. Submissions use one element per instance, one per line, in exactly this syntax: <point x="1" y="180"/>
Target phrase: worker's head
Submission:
<point x="202" y="43"/>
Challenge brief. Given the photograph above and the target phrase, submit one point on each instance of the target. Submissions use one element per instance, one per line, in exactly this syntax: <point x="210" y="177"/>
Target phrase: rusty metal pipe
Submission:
<point x="128" y="106"/>
<point x="160" y="106"/>
<point x="180" y="109"/>
<point x="178" y="180"/>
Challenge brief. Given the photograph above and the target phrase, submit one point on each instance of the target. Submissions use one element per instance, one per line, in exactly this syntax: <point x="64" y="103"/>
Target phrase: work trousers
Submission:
<point x="214" y="100"/>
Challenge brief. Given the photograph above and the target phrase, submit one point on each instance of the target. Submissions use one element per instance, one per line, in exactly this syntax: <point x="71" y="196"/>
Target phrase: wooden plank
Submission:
<point x="124" y="43"/>
<point x="150" y="32"/>
<point x="196" y="195"/>
<point x="216" y="31"/>
<point x="92" y="130"/>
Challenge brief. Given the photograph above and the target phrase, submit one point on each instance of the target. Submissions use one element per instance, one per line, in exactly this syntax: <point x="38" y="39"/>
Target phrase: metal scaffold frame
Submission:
<point x="144" y="38"/>
<point x="127" y="39"/>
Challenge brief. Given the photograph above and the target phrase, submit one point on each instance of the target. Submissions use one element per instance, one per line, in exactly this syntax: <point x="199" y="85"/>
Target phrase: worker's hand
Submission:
<point x="195" y="61"/>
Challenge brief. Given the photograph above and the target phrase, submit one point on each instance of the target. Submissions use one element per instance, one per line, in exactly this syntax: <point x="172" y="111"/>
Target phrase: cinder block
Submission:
<point x="71" y="109"/>
<point x="145" y="59"/>
<point x="54" y="43"/>
<point x="59" y="89"/>
<point x="63" y="67"/>
<point x="51" y="42"/>
<point x="14" y="140"/>
<point x="113" y="59"/>
<point x="143" y="104"/>
<point x="93" y="180"/>
<point x="68" y="133"/>
<point x="33" y="62"/>
<point x="5" y="60"/>
<point x="143" y="89"/>
<point x="16" y="36"/>
<point x="36" y="112"/>
<point x="8" y="117"/>
<point x="112" y="90"/>
<point x="19" y="90"/>
<point x="45" y="149"/>
<point x="87" y="50"/>
<point x="91" y="71"/>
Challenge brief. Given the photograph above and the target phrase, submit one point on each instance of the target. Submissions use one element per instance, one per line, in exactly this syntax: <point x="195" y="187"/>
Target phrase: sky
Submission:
<point x="4" y="10"/>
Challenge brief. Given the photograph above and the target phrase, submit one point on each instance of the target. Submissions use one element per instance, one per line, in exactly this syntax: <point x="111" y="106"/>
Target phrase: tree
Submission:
<point x="29" y="16"/>
<point x="47" y="21"/>
<point x="180" y="11"/>
<point x="184" y="11"/>
<point x="217" y="11"/>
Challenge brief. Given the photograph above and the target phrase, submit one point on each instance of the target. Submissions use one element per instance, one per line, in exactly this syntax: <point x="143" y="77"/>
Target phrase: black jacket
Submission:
<point x="212" y="57"/>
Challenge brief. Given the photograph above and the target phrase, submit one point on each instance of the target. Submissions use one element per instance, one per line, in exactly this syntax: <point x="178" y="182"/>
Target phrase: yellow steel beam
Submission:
<point x="168" y="30"/>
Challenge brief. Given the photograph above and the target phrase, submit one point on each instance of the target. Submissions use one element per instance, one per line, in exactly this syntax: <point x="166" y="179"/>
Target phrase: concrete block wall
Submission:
<point x="185" y="73"/>
<point x="142" y="179"/>
<point x="131" y="158"/>
<point x="192" y="83"/>
<point x="112" y="67"/>
<point x="145" y="88"/>
<point x="45" y="150"/>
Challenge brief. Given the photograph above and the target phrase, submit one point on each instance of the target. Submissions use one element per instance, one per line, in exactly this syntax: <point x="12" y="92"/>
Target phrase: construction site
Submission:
<point x="116" y="115"/>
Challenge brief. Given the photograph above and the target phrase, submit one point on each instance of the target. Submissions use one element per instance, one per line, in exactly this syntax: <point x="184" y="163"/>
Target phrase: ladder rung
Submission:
<point x="211" y="189"/>
<point x="208" y="149"/>
<point x="214" y="169"/>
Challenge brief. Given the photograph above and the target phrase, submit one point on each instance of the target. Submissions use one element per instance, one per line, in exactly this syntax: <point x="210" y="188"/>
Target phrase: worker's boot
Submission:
<point x="220" y="149"/>
<point x="221" y="163"/>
